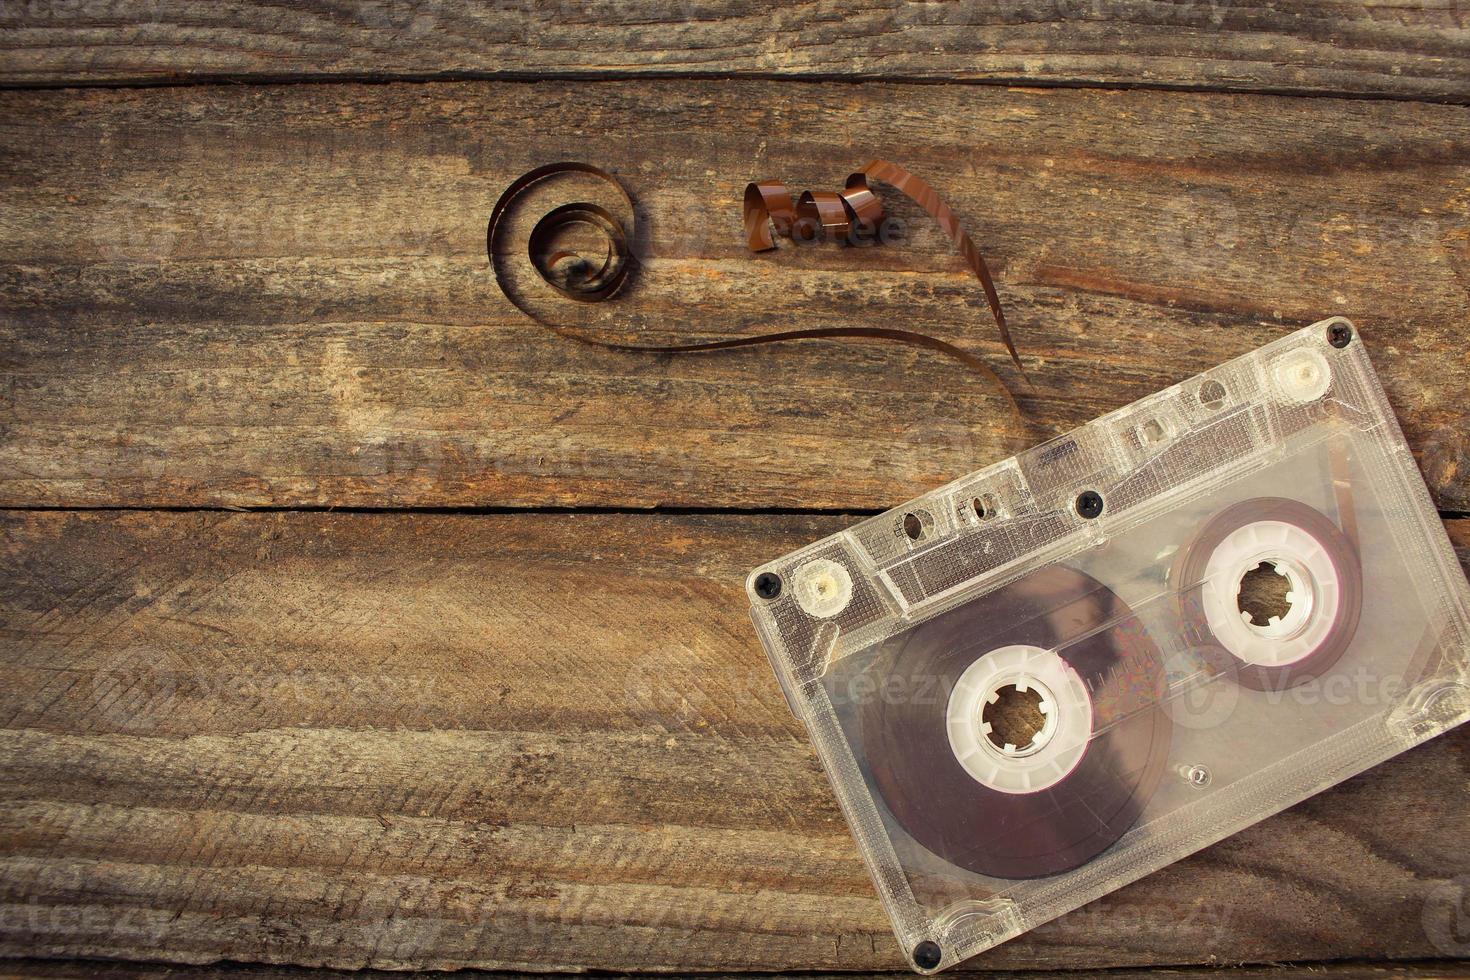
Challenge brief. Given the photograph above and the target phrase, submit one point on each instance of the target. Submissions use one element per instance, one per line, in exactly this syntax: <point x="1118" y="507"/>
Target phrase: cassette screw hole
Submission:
<point x="913" y="527"/>
<point x="1198" y="776"/>
<point x="1265" y="594"/>
<point x="1339" y="335"/>
<point x="768" y="585"/>
<point x="927" y="955"/>
<point x="1212" y="394"/>
<point x="1089" y="504"/>
<point x="984" y="507"/>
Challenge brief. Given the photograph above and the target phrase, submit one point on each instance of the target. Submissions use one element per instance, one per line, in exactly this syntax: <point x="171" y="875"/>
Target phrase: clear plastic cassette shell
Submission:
<point x="1100" y="572"/>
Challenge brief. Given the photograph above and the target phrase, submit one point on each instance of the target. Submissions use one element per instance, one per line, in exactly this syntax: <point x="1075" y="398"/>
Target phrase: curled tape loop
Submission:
<point x="770" y="211"/>
<point x="856" y="208"/>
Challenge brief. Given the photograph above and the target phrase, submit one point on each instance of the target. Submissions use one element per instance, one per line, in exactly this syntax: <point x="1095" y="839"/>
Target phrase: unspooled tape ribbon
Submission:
<point x="856" y="210"/>
<point x="767" y="204"/>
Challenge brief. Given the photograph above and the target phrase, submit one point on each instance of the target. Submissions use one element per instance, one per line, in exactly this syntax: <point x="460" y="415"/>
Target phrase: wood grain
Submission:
<point x="107" y="970"/>
<point x="279" y="296"/>
<point x="1353" y="47"/>
<point x="533" y="741"/>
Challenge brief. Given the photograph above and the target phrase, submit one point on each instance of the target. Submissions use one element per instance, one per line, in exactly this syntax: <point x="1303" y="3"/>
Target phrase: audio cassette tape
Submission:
<point x="1069" y="669"/>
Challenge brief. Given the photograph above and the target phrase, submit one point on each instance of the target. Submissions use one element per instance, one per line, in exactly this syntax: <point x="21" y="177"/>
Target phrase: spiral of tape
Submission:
<point x="770" y="211"/>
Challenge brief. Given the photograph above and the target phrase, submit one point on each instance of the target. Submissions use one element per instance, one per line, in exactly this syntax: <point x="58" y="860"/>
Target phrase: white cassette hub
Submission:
<point x="1053" y="751"/>
<point x="1313" y="593"/>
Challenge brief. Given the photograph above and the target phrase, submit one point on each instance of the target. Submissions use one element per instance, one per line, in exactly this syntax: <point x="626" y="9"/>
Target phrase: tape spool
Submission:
<point x="1020" y="811"/>
<point x="1052" y="752"/>
<point x="1325" y="590"/>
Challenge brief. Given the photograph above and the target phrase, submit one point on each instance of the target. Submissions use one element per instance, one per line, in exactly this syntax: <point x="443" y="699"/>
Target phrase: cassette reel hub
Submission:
<point x="1068" y="795"/>
<point x="1324" y="575"/>
<point x="1314" y="593"/>
<point x="1056" y="748"/>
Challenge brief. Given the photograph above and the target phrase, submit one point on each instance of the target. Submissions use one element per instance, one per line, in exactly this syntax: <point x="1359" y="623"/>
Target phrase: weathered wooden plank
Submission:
<point x="1358" y="47"/>
<point x="532" y="741"/>
<point x="279" y="296"/>
<point x="117" y="970"/>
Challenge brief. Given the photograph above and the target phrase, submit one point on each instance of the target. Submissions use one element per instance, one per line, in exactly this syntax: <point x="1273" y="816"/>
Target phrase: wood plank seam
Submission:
<point x="536" y="78"/>
<point x="1415" y="51"/>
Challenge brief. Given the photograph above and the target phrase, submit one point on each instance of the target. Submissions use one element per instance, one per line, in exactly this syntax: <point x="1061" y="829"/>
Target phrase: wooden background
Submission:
<point x="350" y="620"/>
